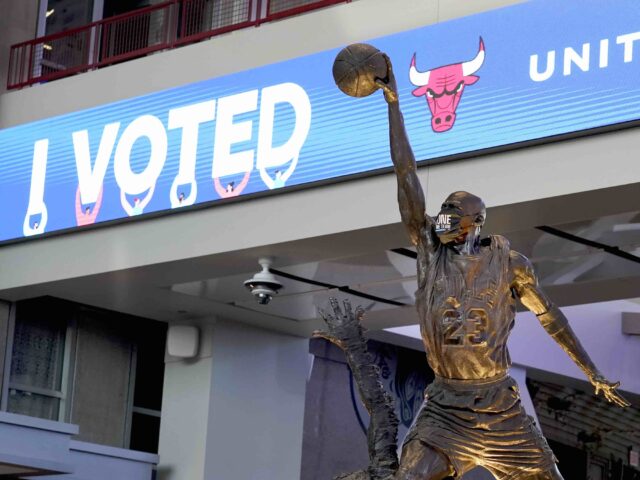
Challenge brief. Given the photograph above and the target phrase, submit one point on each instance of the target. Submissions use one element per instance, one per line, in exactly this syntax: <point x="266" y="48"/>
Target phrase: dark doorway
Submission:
<point x="116" y="7"/>
<point x="572" y="462"/>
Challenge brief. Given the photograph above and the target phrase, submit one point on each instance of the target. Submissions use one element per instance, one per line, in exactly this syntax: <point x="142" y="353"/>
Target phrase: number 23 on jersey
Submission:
<point x="468" y="328"/>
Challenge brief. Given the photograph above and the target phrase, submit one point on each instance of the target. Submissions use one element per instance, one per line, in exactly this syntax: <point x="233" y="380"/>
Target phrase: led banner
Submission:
<point x="534" y="70"/>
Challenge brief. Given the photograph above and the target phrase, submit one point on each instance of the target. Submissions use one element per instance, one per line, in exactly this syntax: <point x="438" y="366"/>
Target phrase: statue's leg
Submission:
<point x="421" y="462"/>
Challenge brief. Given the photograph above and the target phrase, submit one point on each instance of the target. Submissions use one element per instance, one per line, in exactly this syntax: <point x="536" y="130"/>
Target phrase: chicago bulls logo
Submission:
<point x="443" y="87"/>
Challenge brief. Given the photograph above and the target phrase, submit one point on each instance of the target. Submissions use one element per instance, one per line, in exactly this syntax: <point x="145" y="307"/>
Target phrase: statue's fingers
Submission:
<point x="336" y="307"/>
<point x="389" y="92"/>
<point x="360" y="313"/>
<point x="348" y="309"/>
<point x="620" y="400"/>
<point x="611" y="397"/>
<point x="383" y="85"/>
<point x="325" y="316"/>
<point x="388" y="61"/>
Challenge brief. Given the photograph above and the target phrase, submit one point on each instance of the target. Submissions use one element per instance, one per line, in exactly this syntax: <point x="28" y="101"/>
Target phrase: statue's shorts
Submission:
<point x="482" y="423"/>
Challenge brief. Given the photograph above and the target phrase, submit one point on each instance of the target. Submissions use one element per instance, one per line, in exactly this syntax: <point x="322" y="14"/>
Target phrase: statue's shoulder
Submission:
<point x="498" y="242"/>
<point x="522" y="268"/>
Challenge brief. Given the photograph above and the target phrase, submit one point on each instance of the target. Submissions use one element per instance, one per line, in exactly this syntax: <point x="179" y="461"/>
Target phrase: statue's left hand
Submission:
<point x="388" y="85"/>
<point x="608" y="389"/>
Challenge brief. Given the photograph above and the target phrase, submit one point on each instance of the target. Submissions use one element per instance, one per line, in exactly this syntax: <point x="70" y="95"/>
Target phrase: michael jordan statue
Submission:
<point x="466" y="301"/>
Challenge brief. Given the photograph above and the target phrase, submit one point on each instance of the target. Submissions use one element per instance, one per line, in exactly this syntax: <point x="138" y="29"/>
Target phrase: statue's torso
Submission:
<point x="466" y="311"/>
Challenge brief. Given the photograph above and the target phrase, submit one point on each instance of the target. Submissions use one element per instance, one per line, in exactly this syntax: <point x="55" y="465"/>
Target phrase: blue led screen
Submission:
<point x="530" y="71"/>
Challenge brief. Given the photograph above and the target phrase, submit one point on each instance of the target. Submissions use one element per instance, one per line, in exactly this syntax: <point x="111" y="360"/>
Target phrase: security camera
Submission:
<point x="263" y="285"/>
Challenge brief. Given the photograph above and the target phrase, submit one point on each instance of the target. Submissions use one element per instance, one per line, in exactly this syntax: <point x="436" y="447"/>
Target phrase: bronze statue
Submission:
<point x="466" y="301"/>
<point x="345" y="331"/>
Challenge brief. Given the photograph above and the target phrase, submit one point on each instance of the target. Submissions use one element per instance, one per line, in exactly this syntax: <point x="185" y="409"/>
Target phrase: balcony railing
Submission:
<point x="138" y="33"/>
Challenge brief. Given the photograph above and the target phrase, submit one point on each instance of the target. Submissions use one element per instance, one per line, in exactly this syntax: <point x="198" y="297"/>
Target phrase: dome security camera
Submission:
<point x="264" y="284"/>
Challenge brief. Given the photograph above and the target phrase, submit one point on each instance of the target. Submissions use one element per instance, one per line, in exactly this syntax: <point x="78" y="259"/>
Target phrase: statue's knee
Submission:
<point x="408" y="473"/>
<point x="421" y="462"/>
<point x="414" y="472"/>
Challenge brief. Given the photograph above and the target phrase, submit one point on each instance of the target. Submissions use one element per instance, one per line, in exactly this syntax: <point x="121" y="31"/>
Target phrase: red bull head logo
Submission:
<point x="443" y="87"/>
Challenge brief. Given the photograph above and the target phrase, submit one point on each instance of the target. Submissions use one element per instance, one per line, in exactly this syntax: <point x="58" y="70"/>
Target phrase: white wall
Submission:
<point x="237" y="411"/>
<point x="257" y="404"/>
<point x="17" y="24"/>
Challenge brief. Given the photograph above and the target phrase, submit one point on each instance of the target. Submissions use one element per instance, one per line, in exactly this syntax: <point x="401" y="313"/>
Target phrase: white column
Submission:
<point x="185" y="412"/>
<point x="257" y="404"/>
<point x="236" y="411"/>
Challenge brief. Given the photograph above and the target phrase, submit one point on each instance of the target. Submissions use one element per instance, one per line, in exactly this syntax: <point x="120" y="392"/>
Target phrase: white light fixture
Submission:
<point x="631" y="323"/>
<point x="183" y="341"/>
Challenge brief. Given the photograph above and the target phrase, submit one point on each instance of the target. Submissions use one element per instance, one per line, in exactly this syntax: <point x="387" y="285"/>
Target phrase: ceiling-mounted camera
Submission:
<point x="264" y="284"/>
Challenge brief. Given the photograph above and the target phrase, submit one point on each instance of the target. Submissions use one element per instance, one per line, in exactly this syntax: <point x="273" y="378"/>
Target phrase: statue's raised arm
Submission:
<point x="410" y="194"/>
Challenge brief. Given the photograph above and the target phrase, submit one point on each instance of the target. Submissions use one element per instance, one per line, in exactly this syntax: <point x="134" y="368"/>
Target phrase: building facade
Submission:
<point x="95" y="378"/>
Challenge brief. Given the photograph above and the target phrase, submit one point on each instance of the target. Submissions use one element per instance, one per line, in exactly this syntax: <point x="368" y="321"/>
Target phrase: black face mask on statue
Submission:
<point x="447" y="224"/>
<point x="460" y="220"/>
<point x="453" y="228"/>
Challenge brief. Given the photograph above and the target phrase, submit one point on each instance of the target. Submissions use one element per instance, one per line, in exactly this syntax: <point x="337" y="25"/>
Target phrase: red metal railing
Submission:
<point x="94" y="45"/>
<point x="202" y="19"/>
<point x="138" y="33"/>
<point x="277" y="9"/>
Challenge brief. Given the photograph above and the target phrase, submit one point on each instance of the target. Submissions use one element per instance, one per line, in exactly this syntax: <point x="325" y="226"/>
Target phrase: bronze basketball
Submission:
<point x="356" y="68"/>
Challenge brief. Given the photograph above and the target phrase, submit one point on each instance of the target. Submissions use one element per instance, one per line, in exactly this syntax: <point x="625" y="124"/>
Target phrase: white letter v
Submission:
<point x="90" y="180"/>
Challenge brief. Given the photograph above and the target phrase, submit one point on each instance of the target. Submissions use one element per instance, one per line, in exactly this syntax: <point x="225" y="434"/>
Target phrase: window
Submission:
<point x="37" y="384"/>
<point x="62" y="53"/>
<point x="147" y="401"/>
<point x="101" y="370"/>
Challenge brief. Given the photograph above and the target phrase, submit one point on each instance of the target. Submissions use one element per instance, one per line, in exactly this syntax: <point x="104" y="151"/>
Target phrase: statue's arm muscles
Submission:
<point x="525" y="285"/>
<point x="410" y="194"/>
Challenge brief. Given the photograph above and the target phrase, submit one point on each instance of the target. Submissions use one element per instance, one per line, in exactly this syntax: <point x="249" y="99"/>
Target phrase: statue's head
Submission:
<point x="460" y="219"/>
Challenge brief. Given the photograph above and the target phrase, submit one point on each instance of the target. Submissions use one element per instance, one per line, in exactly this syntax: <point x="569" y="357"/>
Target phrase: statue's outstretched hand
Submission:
<point x="608" y="389"/>
<point x="388" y="85"/>
<point x="342" y="324"/>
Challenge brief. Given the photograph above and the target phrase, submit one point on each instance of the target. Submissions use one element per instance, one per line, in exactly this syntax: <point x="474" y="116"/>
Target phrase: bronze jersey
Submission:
<point x="467" y="310"/>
